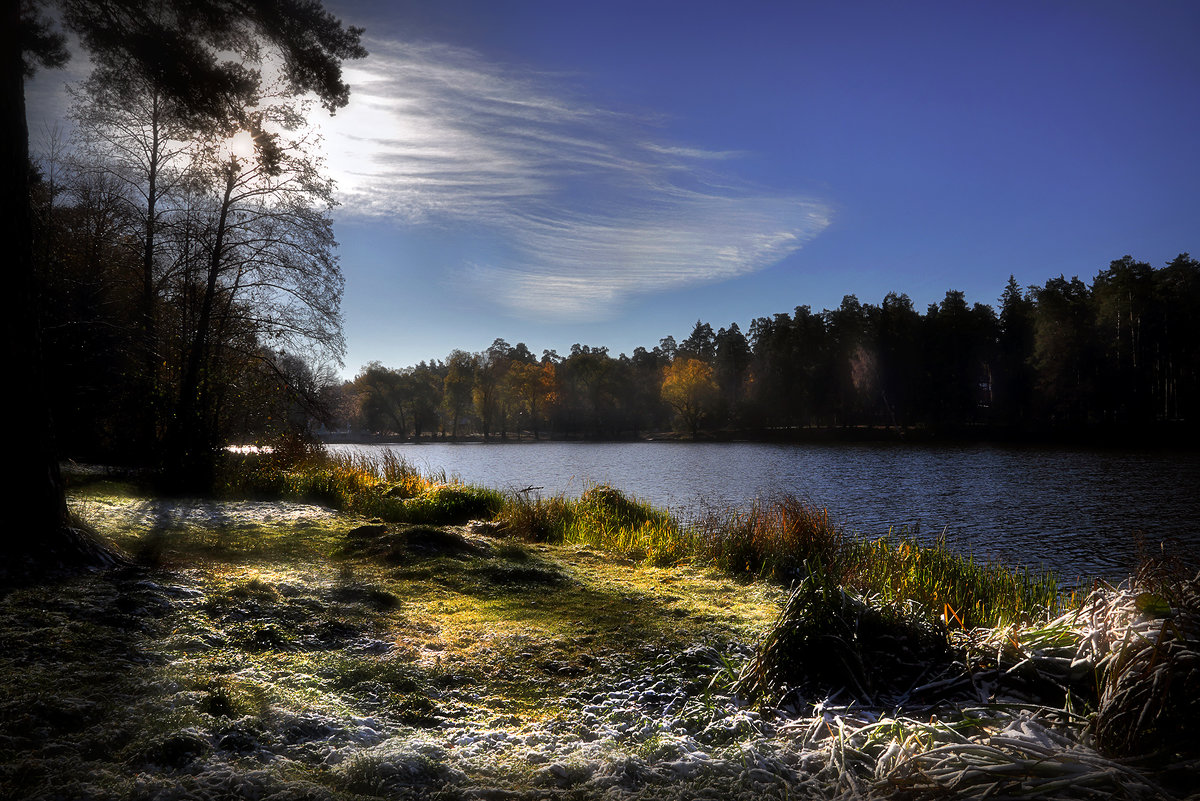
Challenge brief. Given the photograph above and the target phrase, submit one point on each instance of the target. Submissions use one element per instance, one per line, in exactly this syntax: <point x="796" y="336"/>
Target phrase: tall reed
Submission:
<point x="781" y="537"/>
<point x="787" y="539"/>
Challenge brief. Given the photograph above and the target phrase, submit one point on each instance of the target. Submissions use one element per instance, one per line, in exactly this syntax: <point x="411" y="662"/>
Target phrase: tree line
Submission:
<point x="1065" y="357"/>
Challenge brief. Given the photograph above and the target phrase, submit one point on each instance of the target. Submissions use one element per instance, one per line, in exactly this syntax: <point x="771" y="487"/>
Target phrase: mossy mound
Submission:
<point x="606" y="506"/>
<point x="398" y="544"/>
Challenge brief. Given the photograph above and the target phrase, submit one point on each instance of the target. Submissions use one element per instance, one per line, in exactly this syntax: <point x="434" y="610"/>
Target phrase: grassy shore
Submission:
<point x="781" y="539"/>
<point x="331" y="628"/>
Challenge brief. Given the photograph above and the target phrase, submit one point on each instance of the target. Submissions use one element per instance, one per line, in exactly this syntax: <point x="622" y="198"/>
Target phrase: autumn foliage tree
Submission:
<point x="531" y="388"/>
<point x="690" y="388"/>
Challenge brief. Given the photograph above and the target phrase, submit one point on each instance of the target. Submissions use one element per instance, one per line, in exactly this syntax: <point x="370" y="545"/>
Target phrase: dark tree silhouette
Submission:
<point x="701" y="344"/>
<point x="1176" y="383"/>
<point x="898" y="343"/>
<point x="130" y="134"/>
<point x="1123" y="297"/>
<point x="180" y="47"/>
<point x="1014" y="373"/>
<point x="1063" y="351"/>
<point x="731" y="362"/>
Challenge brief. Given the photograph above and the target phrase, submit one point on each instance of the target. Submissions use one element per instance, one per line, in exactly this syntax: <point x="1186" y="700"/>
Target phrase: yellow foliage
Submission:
<point x="690" y="388"/>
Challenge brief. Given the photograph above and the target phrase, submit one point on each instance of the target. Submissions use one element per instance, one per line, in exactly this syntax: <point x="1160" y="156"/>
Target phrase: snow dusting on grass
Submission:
<point x="280" y="651"/>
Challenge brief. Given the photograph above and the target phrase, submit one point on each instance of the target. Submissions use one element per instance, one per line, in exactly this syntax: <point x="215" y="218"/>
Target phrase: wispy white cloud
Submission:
<point x="692" y="152"/>
<point x="586" y="207"/>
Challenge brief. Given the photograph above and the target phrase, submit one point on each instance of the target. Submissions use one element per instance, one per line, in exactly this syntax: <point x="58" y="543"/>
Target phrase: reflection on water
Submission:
<point x="1080" y="512"/>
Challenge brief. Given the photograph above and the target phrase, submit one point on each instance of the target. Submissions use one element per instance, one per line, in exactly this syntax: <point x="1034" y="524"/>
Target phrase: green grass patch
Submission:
<point x="785" y="539"/>
<point x="961" y="591"/>
<point x="385" y="487"/>
<point x="603" y="517"/>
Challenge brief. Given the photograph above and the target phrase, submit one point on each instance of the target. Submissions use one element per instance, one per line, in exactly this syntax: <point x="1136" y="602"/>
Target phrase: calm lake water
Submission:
<point x="1079" y="512"/>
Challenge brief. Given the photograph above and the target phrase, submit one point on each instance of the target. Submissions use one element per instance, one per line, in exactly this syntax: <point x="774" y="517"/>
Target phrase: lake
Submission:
<point x="1079" y="512"/>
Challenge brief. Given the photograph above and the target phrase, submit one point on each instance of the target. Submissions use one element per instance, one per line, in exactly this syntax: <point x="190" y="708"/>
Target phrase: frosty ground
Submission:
<point x="274" y="650"/>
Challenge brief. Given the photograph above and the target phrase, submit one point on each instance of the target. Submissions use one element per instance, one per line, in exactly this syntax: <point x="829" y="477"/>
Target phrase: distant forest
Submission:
<point x="195" y="317"/>
<point x="1118" y="357"/>
<point x="190" y="298"/>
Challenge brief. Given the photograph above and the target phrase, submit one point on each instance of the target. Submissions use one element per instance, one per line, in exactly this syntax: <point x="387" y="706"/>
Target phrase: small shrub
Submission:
<point x="176" y="750"/>
<point x="775" y="538"/>
<point x="294" y="448"/>
<point x="391" y="769"/>
<point x="254" y="589"/>
<point x="513" y="552"/>
<point x="604" y="517"/>
<point x="370" y="595"/>
<point x="233" y="698"/>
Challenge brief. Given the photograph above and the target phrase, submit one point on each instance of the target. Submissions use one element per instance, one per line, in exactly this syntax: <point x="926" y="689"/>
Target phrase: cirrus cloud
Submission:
<point x="586" y="207"/>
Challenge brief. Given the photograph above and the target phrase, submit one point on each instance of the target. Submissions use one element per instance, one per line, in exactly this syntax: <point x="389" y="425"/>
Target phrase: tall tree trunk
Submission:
<point x="189" y="459"/>
<point x="152" y="407"/>
<point x="37" y="486"/>
<point x="45" y="543"/>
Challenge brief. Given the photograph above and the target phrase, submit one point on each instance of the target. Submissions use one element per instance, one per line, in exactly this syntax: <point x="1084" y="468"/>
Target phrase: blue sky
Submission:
<point x="608" y="173"/>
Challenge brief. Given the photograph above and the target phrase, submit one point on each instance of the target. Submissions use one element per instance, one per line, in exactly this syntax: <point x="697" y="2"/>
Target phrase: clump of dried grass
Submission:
<point x="1148" y="642"/>
<point x="828" y="641"/>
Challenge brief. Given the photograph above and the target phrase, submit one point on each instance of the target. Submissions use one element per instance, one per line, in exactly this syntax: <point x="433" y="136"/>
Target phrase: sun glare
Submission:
<point x="239" y="146"/>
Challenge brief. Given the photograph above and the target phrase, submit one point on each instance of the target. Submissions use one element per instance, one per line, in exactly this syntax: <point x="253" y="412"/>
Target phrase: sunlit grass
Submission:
<point x="963" y="591"/>
<point x="385" y="487"/>
<point x="781" y="538"/>
<point x="784" y="539"/>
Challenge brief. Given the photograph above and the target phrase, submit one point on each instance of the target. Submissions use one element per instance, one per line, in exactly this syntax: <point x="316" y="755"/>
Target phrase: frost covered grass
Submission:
<point x="287" y="651"/>
<point x="359" y="659"/>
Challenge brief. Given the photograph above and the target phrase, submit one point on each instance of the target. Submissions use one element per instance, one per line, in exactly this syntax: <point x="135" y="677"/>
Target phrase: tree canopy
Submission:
<point x="207" y="59"/>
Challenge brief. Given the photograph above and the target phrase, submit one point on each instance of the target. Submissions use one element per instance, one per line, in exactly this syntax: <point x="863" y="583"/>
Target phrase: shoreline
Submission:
<point x="1166" y="438"/>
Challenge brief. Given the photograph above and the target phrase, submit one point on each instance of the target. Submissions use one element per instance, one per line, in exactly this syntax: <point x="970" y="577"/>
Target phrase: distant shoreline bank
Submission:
<point x="1173" y="437"/>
